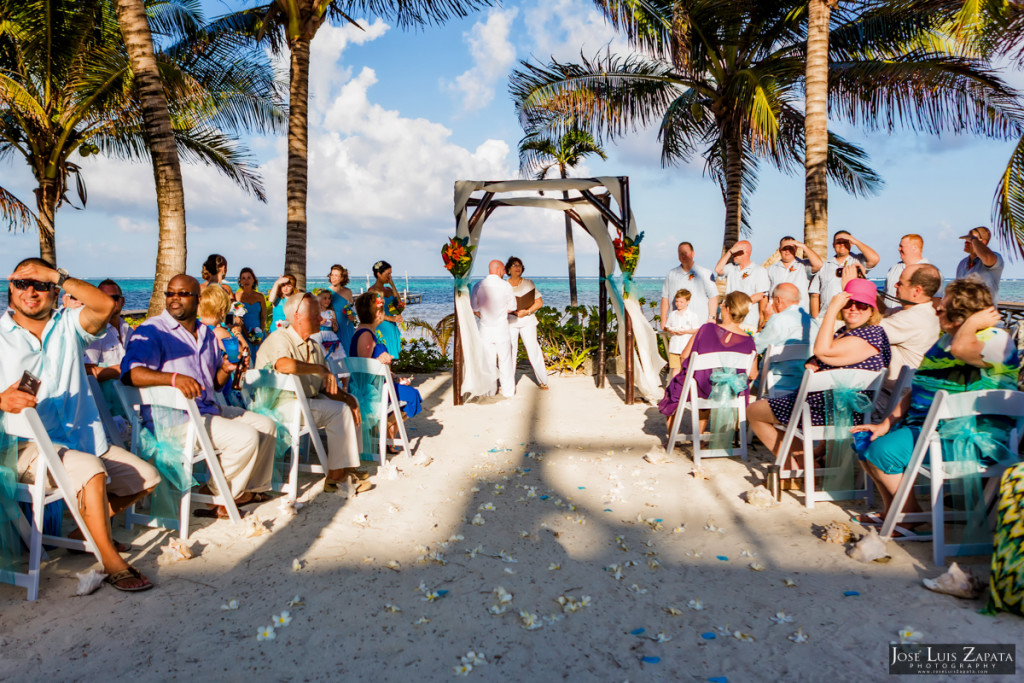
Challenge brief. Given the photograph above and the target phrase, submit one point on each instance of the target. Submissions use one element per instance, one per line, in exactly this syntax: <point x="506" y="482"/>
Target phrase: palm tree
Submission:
<point x="295" y="23"/>
<point x="67" y="85"/>
<point x="819" y="13"/>
<point x="726" y="79"/>
<point x="171" y="253"/>
<point x="539" y="154"/>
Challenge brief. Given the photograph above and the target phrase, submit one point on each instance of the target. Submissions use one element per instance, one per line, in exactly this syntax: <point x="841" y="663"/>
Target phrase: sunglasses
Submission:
<point x="859" y="305"/>
<point x="34" y="284"/>
<point x="118" y="297"/>
<point x="180" y="294"/>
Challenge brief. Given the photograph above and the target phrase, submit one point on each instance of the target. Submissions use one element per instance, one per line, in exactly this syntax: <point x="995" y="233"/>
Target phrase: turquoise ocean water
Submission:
<point x="438" y="296"/>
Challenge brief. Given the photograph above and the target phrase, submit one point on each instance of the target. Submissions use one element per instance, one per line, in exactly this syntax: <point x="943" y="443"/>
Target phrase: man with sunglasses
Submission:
<point x="745" y="276"/>
<point x="174" y="349"/>
<point x="795" y="271"/>
<point x="103" y="357"/>
<point x="49" y="344"/>
<point x="829" y="280"/>
<point x="981" y="262"/>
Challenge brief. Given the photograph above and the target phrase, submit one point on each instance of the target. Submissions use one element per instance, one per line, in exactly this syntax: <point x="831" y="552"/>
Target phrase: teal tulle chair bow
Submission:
<point x="841" y="403"/>
<point x="269" y="402"/>
<point x="368" y="389"/>
<point x="726" y="384"/>
<point x="972" y="448"/>
<point x="163" y="448"/>
<point x="10" y="514"/>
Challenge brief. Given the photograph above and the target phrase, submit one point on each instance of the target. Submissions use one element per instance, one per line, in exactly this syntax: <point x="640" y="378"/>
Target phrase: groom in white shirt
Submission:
<point x="492" y="300"/>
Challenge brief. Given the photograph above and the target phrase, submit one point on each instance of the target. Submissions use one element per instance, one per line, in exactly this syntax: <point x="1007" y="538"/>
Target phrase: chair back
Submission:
<point x="106" y="417"/>
<point x="902" y="386"/>
<point x="774" y="357"/>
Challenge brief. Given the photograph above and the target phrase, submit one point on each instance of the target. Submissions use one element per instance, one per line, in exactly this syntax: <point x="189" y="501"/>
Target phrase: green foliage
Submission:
<point x="420" y="355"/>
<point x="441" y="333"/>
<point x="570" y="337"/>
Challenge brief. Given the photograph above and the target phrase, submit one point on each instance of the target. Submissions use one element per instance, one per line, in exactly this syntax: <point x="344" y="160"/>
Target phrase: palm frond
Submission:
<point x="174" y="17"/>
<point x="1008" y="203"/>
<point x="14" y="212"/>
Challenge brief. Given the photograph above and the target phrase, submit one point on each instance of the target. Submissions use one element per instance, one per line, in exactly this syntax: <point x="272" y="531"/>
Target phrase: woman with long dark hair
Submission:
<point x="393" y="307"/>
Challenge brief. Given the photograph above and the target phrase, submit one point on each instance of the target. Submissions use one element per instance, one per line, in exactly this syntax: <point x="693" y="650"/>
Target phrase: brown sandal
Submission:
<point x="131" y="572"/>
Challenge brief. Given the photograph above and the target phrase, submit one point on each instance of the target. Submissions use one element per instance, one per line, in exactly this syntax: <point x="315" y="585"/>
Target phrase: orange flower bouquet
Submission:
<point x="457" y="256"/>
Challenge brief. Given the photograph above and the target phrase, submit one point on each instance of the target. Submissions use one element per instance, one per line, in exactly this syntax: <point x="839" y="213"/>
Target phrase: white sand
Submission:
<point x="591" y="448"/>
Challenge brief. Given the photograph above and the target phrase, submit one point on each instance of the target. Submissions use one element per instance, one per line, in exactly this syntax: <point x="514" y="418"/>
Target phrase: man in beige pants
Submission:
<point x="290" y="351"/>
<point x="174" y="349"/>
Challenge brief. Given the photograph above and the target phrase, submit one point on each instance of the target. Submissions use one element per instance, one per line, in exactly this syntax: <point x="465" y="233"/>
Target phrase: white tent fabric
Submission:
<point x="479" y="379"/>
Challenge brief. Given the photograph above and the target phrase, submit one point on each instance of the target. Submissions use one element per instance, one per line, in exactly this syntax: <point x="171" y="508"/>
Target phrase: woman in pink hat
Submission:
<point x="860" y="344"/>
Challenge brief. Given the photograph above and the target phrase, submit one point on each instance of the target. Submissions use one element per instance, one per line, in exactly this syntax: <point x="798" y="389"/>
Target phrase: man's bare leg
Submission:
<point x="93" y="505"/>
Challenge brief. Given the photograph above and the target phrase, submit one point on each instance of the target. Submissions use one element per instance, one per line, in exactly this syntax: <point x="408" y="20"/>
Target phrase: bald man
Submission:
<point x="493" y="300"/>
<point x="173" y="349"/>
<point x="744" y="276"/>
<point x="789" y="324"/>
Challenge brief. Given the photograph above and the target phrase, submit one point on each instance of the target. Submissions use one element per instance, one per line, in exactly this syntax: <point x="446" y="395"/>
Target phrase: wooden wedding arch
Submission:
<point x="591" y="209"/>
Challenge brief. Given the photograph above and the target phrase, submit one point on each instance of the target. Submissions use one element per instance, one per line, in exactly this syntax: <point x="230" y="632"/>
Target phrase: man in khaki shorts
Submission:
<point x="50" y="344"/>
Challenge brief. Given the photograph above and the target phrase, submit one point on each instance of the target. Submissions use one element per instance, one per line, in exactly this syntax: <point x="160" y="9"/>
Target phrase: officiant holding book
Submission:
<point x="523" y="323"/>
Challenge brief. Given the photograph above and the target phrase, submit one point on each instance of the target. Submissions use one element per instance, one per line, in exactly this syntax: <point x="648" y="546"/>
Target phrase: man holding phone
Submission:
<point x="829" y="280"/>
<point x="41" y="364"/>
<point x="173" y="349"/>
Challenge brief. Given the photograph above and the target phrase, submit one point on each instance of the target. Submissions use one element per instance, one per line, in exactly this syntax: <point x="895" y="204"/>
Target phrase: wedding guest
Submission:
<point x="741" y="275"/>
<point x="828" y="281"/>
<point x="914" y="328"/>
<point x="215" y="271"/>
<point x="789" y="324"/>
<point x="523" y="322"/>
<point x="697" y="279"/>
<point x="910" y="249"/>
<point x="341" y="303"/>
<point x="795" y="271"/>
<point x="393" y="307"/>
<point x="682" y="323"/>
<point x="103" y="356"/>
<point x="982" y="262"/>
<point x="254" y="321"/>
<point x="282" y="288"/>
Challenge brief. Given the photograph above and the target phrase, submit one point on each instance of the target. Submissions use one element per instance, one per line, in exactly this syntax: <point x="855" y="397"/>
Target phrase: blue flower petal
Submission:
<point x="718" y="679"/>
<point x="607" y="509"/>
<point x="650" y="660"/>
<point x="723" y="558"/>
<point x="708" y="635"/>
<point x="441" y="593"/>
<point x="544" y="497"/>
<point x="581" y="487"/>
<point x="850" y="594"/>
<point x="658" y="520"/>
<point x="637" y="632"/>
<point x="526" y="469"/>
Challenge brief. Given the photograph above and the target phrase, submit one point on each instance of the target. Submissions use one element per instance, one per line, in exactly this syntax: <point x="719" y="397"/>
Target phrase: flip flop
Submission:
<point x="217" y="513"/>
<point x="868" y="519"/>
<point x="900" y="533"/>
<point x="261" y="497"/>
<point x="130" y="573"/>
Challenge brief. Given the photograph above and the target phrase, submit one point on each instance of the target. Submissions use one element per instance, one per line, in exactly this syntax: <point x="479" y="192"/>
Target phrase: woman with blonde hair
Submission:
<point x="726" y="336"/>
<point x="214" y="304"/>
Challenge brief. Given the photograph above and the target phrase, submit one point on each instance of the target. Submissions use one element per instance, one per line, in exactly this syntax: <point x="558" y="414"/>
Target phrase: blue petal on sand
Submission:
<point x="441" y="593"/>
<point x="526" y="469"/>
<point x="607" y="509"/>
<point x="650" y="660"/>
<point x="850" y="594"/>
<point x="718" y="679"/>
<point x="708" y="635"/>
<point x="723" y="558"/>
<point x="581" y="487"/>
<point x="544" y="497"/>
<point x="637" y="632"/>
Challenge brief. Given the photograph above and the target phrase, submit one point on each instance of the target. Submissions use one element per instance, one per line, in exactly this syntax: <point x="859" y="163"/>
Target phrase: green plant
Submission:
<point x="570" y="337"/>
<point x="420" y="355"/>
<point x="441" y="333"/>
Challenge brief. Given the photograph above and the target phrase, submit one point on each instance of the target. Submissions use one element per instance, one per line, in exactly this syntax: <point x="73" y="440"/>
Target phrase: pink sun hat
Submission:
<point x="863" y="291"/>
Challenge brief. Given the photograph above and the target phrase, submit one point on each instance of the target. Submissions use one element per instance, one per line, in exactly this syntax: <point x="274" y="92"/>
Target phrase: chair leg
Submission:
<point x="35" y="550"/>
<point x="742" y="429"/>
<point x="808" y="471"/>
<point x="938" y="514"/>
<point x="293" y="472"/>
<point x="674" y="432"/>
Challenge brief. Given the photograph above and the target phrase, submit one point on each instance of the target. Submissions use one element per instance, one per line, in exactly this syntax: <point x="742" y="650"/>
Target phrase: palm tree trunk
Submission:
<point x="570" y="249"/>
<point x="46" y="211"/>
<point x="171" y="252"/>
<point x="298" y="148"/>
<point x="816" y="127"/>
<point x="733" y="188"/>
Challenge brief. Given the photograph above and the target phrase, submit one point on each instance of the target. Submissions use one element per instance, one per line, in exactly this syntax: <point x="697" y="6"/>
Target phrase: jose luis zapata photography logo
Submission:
<point x="948" y="659"/>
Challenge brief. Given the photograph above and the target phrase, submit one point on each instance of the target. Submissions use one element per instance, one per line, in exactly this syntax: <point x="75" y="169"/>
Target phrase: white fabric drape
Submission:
<point x="480" y="380"/>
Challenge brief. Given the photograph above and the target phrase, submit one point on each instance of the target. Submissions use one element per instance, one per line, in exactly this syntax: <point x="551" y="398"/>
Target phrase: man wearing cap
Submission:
<point x="747" y="277"/>
<point x="697" y="280"/>
<point x="829" y="280"/>
<point x="290" y="351"/>
<point x="981" y="261"/>
<point x="911" y="247"/>
<point x="796" y="271"/>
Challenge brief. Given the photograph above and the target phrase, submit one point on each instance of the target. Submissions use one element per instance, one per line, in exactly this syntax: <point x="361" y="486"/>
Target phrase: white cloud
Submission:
<point x="493" y="54"/>
<point x="563" y="28"/>
<point x="126" y="224"/>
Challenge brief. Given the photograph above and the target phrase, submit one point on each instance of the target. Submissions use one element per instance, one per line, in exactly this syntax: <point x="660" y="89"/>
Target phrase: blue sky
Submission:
<point x="396" y="117"/>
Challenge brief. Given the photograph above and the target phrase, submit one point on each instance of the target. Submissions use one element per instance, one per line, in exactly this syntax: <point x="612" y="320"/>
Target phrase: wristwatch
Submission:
<point x="63" y="276"/>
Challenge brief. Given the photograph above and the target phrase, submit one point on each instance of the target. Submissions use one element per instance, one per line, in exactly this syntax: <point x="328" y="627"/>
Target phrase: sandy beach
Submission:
<point x="546" y="495"/>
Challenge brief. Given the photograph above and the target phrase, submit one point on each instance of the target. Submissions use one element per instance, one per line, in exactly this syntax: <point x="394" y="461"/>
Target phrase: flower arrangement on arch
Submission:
<point x="457" y="256"/>
<point x="627" y="252"/>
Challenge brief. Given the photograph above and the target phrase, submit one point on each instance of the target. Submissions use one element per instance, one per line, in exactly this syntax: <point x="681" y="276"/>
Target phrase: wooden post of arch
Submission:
<point x="480" y="213"/>
<point x="628" y="337"/>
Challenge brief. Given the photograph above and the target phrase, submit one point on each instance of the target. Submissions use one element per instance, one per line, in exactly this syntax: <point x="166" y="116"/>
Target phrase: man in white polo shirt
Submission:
<point x="744" y="276"/>
<point x="911" y="248"/>
<point x="49" y="344"/>
<point x="698" y="280"/>
<point x="493" y="299"/>
<point x="982" y="262"/>
<point x="795" y="271"/>
<point x="829" y="280"/>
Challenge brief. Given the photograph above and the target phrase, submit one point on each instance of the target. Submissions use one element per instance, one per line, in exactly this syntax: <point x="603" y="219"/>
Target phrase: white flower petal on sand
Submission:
<point x="744" y="637"/>
<point x="530" y="622"/>
<point x="616" y="570"/>
<point x="478" y="520"/>
<point x="789" y="583"/>
<point x="637" y="589"/>
<point x="756" y="566"/>
<point x="422" y="588"/>
<point x="421" y="621"/>
<point x="462" y="669"/>
<point x="265" y="633"/>
<point x="394" y="565"/>
<point x="653" y="563"/>
<point x="662" y="637"/>
<point x="679" y="529"/>
<point x="474" y="658"/>
<point x="781" y="618"/>
<point x="455" y="538"/>
<point x="798" y="636"/>
<point x="475" y="489"/>
<point x="368" y="560"/>
<point x="361" y="519"/>
<point x="392" y="609"/>
<point x="696" y="605"/>
<point x="505" y="557"/>
<point x="486" y="506"/>
<point x="297" y="564"/>
<point x="282" y="619"/>
<point x="554" y="567"/>
<point x="673" y="611"/>
<point x="746" y="552"/>
<point x="509" y="570"/>
<point x="909" y="635"/>
<point x="231" y="605"/>
<point x="296" y="601"/>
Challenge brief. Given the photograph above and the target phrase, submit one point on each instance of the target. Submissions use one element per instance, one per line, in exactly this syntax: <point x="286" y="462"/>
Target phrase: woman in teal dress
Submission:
<point x="282" y="289"/>
<point x="254" y="321"/>
<point x="341" y="304"/>
<point x="393" y="307"/>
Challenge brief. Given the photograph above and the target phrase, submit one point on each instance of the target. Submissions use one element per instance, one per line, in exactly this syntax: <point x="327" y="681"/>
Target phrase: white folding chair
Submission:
<point x="773" y="356"/>
<point x="106" y="417"/>
<point x="688" y="397"/>
<point x="927" y="461"/>
<point x="27" y="424"/>
<point x="298" y="420"/>
<point x="363" y="382"/>
<point x="196" y="434"/>
<point x="801" y="427"/>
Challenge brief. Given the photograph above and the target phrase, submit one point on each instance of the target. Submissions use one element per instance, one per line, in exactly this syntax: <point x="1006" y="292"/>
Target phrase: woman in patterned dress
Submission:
<point x="860" y="344"/>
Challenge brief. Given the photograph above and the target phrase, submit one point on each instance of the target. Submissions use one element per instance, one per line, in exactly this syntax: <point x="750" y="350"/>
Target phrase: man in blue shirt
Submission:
<point x="789" y="324"/>
<point x="50" y="344"/>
